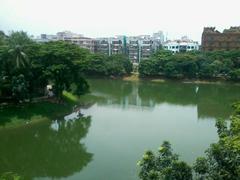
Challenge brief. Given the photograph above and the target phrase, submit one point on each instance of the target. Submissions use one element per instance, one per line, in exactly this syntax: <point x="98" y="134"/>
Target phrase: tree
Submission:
<point x="94" y="64"/>
<point x="201" y="168"/>
<point x="19" y="88"/>
<point x="148" y="67"/>
<point x="27" y="67"/>
<point x="2" y="38"/>
<point x="207" y="65"/>
<point x="223" y="157"/>
<point x="235" y="74"/>
<point x="165" y="165"/>
<point x="17" y="42"/>
<point x="123" y="62"/>
<point x="60" y="64"/>
<point x="102" y="65"/>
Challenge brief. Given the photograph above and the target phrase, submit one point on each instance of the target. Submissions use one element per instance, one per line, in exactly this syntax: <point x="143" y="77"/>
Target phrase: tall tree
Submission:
<point x="18" y="42"/>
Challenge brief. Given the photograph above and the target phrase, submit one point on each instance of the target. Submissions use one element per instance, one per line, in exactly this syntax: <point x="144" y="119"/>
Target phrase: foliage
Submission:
<point x="201" y="167"/>
<point x="222" y="159"/>
<point x="19" y="88"/>
<point x="10" y="176"/>
<point x="102" y="65"/>
<point x="235" y="74"/>
<point x="219" y="64"/>
<point x="27" y="67"/>
<point x="164" y="165"/>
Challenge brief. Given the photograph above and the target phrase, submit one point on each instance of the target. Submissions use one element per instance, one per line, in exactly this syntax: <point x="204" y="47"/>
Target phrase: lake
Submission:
<point x="123" y="119"/>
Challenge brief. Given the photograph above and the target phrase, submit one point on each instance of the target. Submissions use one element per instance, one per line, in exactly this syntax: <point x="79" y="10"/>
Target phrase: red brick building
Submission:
<point x="213" y="40"/>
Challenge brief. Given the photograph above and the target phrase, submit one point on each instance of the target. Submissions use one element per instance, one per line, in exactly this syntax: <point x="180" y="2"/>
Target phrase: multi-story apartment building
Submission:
<point x="182" y="45"/>
<point x="146" y="48"/>
<point x="116" y="46"/>
<point x="137" y="48"/>
<point x="229" y="39"/>
<point x="133" y="49"/>
<point x="103" y="46"/>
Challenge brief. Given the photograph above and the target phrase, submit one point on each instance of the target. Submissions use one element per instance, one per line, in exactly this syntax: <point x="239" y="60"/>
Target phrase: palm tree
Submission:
<point x="18" y="41"/>
<point x="19" y="56"/>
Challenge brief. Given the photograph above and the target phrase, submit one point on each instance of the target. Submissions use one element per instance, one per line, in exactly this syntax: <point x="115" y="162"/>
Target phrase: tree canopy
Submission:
<point x="204" y="65"/>
<point x="27" y="67"/>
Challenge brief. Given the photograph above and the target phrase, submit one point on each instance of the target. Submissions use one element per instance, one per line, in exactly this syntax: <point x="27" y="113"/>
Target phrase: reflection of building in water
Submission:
<point x="127" y="100"/>
<point x="147" y="95"/>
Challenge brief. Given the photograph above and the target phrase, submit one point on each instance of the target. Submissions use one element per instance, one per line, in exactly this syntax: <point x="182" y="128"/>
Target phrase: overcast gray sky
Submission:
<point x="95" y="18"/>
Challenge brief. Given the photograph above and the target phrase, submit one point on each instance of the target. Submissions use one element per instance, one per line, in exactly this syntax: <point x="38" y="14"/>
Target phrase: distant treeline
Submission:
<point x="202" y="65"/>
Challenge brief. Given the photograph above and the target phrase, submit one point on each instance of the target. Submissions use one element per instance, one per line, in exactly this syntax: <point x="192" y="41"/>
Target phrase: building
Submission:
<point x="83" y="42"/>
<point x="137" y="48"/>
<point x="45" y="38"/>
<point x="158" y="39"/>
<point x="103" y="46"/>
<point x="146" y="48"/>
<point x="133" y="49"/>
<point x="213" y="40"/>
<point x="118" y="45"/>
<point x="182" y="45"/>
<point x="67" y="34"/>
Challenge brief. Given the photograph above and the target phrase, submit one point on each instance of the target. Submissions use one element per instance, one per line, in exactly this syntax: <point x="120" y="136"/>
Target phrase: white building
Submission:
<point x="67" y="34"/>
<point x="182" y="45"/>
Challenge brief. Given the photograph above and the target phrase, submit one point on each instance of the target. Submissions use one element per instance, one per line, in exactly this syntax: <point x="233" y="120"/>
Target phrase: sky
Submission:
<point x="103" y="18"/>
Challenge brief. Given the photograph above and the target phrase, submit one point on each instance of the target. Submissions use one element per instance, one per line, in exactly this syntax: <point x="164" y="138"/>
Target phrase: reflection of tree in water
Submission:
<point x="216" y="100"/>
<point x="40" y="151"/>
<point x="212" y="100"/>
<point x="168" y="92"/>
<point x="114" y="90"/>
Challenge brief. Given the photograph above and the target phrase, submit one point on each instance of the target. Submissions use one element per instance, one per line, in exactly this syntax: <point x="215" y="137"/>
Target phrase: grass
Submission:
<point x="70" y="98"/>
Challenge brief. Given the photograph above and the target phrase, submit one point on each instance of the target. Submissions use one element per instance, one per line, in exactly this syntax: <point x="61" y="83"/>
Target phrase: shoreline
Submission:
<point x="137" y="78"/>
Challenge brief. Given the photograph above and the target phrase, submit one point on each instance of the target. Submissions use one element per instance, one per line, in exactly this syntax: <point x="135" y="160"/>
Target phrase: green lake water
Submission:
<point x="125" y="119"/>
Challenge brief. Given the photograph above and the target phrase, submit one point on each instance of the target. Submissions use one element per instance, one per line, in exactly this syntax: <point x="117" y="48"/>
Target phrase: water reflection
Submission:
<point x="46" y="149"/>
<point x="211" y="100"/>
